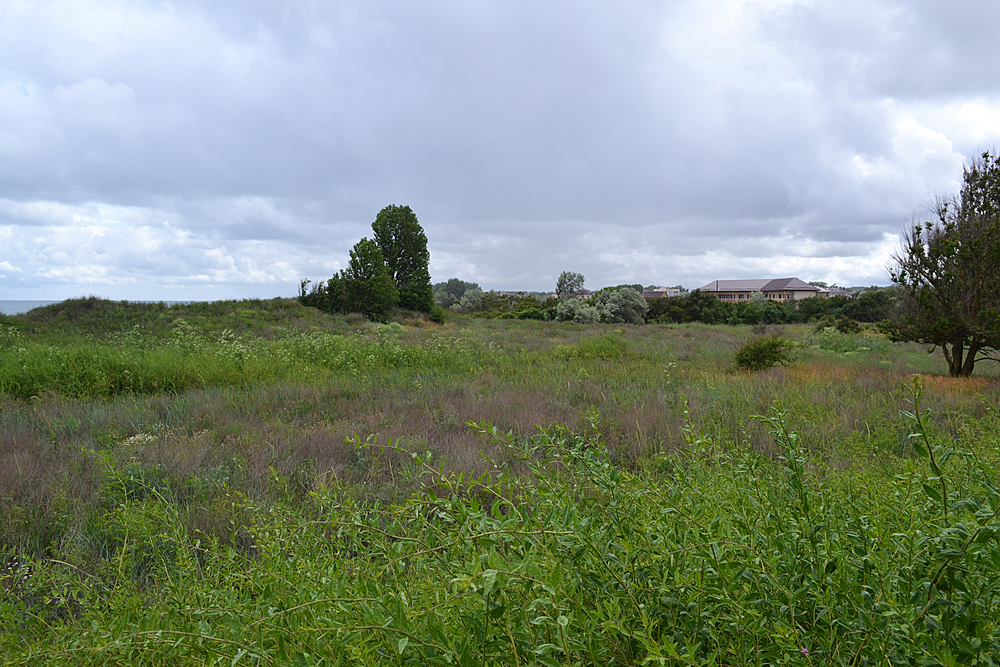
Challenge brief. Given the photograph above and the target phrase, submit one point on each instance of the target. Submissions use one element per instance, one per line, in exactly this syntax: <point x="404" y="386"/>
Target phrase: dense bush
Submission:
<point x="837" y="340"/>
<point x="763" y="352"/>
<point x="871" y="306"/>
<point x="447" y="294"/>
<point x="841" y="323"/>
<point x="622" y="304"/>
<point x="572" y="309"/>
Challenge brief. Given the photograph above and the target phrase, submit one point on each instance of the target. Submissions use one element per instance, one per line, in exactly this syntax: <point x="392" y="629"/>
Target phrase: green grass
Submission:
<point x="304" y="489"/>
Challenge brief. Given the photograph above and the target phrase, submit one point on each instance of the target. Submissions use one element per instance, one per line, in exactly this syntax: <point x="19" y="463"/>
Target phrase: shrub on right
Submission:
<point x="763" y="352"/>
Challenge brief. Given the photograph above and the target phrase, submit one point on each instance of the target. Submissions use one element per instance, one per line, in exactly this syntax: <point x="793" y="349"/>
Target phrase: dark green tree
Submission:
<point x="328" y="296"/>
<point x="812" y="308"/>
<point x="949" y="272"/>
<point x="872" y="306"/>
<point x="404" y="246"/>
<point x="367" y="287"/>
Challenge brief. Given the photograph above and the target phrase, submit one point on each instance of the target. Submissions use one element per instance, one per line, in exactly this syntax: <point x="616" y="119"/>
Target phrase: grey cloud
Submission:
<point x="627" y="138"/>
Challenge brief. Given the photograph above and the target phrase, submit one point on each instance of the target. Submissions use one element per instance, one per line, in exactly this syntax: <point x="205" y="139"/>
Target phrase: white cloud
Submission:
<point x="133" y="252"/>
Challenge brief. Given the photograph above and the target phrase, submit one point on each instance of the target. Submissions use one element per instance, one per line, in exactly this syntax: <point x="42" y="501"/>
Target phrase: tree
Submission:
<point x="404" y="246"/>
<point x="447" y="294"/>
<point x="872" y="306"/>
<point x="949" y="272"/>
<point x="569" y="284"/>
<point x="623" y="304"/>
<point x="328" y="296"/>
<point x="367" y="286"/>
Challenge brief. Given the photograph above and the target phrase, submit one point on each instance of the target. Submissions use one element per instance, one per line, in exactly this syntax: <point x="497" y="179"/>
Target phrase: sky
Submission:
<point x="199" y="151"/>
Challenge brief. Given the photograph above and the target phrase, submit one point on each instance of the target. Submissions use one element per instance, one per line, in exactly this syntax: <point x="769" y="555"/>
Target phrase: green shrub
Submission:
<point x="621" y="305"/>
<point x="762" y="352"/>
<point x="834" y="340"/>
<point x="574" y="310"/>
<point x="437" y="314"/>
<point x="605" y="348"/>
<point x="394" y="328"/>
<point x="841" y="323"/>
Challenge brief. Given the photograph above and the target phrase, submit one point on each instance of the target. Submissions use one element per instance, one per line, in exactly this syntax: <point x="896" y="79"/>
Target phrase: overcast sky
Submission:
<point x="187" y="150"/>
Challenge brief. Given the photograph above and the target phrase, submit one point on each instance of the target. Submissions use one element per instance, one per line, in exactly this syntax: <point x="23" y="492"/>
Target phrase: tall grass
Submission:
<point x="175" y="490"/>
<point x="715" y="554"/>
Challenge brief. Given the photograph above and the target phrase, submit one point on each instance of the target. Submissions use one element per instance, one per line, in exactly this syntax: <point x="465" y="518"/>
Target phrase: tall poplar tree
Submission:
<point x="404" y="246"/>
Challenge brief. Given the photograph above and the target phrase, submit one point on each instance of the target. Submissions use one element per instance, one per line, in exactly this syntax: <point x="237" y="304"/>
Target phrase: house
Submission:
<point x="779" y="289"/>
<point x="661" y="292"/>
<point x="840" y="291"/>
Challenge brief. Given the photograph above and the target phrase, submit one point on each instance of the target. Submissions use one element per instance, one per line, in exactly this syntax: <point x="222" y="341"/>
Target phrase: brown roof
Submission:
<point x="761" y="285"/>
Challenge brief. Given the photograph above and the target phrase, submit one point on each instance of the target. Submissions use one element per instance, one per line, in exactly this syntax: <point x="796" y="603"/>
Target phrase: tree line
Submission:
<point x="625" y="304"/>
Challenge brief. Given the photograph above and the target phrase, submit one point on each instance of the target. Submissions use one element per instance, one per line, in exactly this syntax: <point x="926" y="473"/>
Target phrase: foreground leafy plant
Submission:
<point x="717" y="554"/>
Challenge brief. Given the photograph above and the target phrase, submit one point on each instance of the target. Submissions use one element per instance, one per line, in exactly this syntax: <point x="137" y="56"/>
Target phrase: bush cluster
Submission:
<point x="872" y="306"/>
<point x="495" y="305"/>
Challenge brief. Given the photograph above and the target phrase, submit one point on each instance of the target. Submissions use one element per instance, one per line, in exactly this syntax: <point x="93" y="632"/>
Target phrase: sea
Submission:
<point x="17" y="307"/>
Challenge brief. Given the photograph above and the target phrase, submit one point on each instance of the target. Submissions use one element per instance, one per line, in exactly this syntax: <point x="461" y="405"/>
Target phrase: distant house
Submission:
<point x="661" y="292"/>
<point x="780" y="289"/>
<point x="840" y="291"/>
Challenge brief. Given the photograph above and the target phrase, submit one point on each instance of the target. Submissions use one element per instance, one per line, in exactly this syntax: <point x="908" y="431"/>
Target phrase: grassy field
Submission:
<point x="258" y="483"/>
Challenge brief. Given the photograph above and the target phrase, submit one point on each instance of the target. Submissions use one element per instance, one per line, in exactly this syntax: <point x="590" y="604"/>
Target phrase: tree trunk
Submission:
<point x="956" y="357"/>
<point x="970" y="359"/>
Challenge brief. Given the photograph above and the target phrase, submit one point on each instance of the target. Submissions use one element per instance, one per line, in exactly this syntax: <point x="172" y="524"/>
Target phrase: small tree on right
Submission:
<point x="949" y="273"/>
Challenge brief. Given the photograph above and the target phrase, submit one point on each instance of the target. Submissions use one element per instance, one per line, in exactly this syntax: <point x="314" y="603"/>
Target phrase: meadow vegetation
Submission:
<point x="261" y="483"/>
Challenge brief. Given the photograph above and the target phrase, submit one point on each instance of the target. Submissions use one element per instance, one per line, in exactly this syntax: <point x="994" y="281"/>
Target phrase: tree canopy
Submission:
<point x="949" y="271"/>
<point x="404" y="247"/>
<point x="569" y="284"/>
<point x="367" y="285"/>
<point x="621" y="304"/>
<point x="447" y="294"/>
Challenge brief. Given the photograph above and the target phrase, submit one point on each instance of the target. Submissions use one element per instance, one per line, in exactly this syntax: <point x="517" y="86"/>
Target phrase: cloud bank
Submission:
<point x="178" y="151"/>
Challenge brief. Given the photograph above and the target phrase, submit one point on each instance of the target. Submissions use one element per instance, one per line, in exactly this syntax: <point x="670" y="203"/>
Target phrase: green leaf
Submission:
<point x="931" y="492"/>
